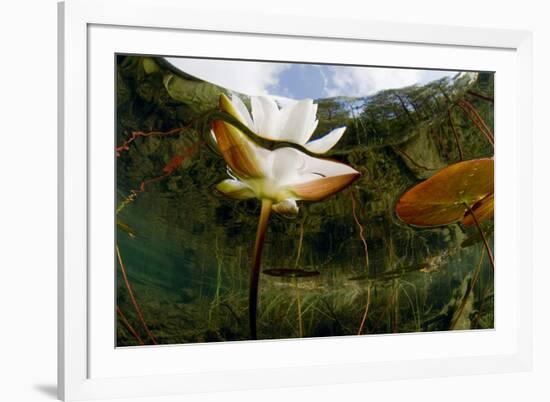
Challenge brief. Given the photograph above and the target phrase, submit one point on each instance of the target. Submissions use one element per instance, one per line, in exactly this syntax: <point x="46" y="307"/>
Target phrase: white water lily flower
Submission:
<point x="279" y="177"/>
<point x="295" y="122"/>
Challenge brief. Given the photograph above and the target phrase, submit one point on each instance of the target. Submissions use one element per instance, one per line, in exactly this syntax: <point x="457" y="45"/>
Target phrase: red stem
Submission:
<point x="364" y="319"/>
<point x="485" y="242"/>
<point x="129" y="326"/>
<point x="468" y="291"/>
<point x="455" y="134"/>
<point x="136" y="134"/>
<point x="132" y="297"/>
<point x="167" y="171"/>
<point x="478" y="117"/>
<point x="361" y="231"/>
<point x="475" y="118"/>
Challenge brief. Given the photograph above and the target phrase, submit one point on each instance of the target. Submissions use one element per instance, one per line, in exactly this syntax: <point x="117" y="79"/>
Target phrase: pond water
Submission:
<point x="186" y="250"/>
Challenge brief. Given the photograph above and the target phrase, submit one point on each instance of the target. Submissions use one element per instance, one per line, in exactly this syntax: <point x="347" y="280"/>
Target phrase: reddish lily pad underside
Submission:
<point x="483" y="210"/>
<point x="445" y="197"/>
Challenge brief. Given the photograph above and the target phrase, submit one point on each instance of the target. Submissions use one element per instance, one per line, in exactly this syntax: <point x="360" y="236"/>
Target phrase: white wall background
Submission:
<point x="28" y="199"/>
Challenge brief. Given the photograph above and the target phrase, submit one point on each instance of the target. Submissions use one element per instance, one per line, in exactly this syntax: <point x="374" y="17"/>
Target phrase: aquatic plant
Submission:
<point x="133" y="299"/>
<point x="279" y="177"/>
<point x="454" y="194"/>
<point x="366" y="251"/>
<point x="294" y="274"/>
<point x="168" y="224"/>
<point x="129" y="326"/>
<point x="471" y="284"/>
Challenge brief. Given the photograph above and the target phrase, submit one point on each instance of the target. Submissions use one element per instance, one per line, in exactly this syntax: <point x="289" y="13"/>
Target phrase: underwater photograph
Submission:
<point x="274" y="200"/>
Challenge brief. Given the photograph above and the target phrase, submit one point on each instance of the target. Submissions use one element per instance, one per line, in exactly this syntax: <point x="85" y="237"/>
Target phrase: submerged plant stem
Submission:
<point x="132" y="297"/>
<point x="455" y="134"/>
<point x="481" y="96"/>
<point x="299" y="309"/>
<point x="361" y="231"/>
<point x="386" y="309"/>
<point x="410" y="159"/>
<point x="485" y="242"/>
<point x="300" y="242"/>
<point x="364" y="319"/>
<point x="255" y="272"/>
<point x="478" y="121"/>
<point x="468" y="291"/>
<point x="129" y="326"/>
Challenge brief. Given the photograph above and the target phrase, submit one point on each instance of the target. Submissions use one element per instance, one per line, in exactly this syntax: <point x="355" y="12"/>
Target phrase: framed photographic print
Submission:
<point x="249" y="204"/>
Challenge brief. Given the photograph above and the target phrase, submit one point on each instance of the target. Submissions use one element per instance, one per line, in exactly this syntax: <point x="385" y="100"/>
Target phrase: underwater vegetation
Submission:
<point x="240" y="218"/>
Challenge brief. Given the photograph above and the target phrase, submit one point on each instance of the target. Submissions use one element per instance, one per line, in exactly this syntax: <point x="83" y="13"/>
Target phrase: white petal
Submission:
<point x="287" y="208"/>
<point x="298" y="122"/>
<point x="323" y="144"/>
<point x="297" y="175"/>
<point x="313" y="120"/>
<point x="235" y="189"/>
<point x="325" y="167"/>
<point x="321" y="178"/>
<point x="286" y="163"/>
<point x="265" y="113"/>
<point x="243" y="111"/>
<point x="284" y="114"/>
<point x="313" y="128"/>
<point x="290" y="167"/>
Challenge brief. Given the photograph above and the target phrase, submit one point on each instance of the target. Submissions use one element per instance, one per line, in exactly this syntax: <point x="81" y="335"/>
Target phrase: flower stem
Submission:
<point x="255" y="273"/>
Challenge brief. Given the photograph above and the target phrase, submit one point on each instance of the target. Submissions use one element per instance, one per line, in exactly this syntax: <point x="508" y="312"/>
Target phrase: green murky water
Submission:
<point x="187" y="250"/>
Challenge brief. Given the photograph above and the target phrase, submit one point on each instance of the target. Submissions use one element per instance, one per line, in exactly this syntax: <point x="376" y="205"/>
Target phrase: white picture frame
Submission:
<point x="89" y="365"/>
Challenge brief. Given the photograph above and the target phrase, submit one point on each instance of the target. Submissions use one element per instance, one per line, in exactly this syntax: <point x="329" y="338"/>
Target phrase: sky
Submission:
<point x="299" y="81"/>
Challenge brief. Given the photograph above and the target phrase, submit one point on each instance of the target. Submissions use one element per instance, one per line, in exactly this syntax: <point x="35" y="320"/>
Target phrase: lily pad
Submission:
<point x="483" y="210"/>
<point x="445" y="197"/>
<point x="291" y="273"/>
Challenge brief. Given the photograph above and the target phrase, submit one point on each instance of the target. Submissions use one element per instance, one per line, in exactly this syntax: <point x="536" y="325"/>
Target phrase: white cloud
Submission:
<point x="363" y="81"/>
<point x="262" y="78"/>
<point x="250" y="78"/>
